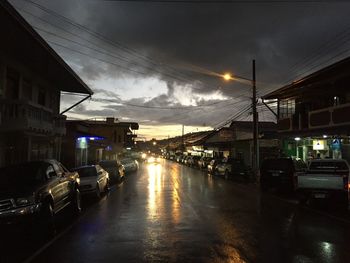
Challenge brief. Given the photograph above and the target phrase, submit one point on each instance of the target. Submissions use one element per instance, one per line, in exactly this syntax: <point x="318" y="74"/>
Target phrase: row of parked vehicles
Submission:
<point x="228" y="167"/>
<point x="319" y="179"/>
<point x="34" y="192"/>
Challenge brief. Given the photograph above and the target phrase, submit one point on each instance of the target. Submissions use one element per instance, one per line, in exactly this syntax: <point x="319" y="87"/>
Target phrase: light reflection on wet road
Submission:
<point x="168" y="212"/>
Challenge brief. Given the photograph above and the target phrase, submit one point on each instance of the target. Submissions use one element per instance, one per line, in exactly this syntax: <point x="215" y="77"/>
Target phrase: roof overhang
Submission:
<point x="329" y="74"/>
<point x="22" y="43"/>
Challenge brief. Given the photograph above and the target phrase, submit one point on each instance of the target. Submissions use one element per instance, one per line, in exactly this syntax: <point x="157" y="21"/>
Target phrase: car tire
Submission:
<point x="263" y="186"/>
<point x="98" y="192"/>
<point x="302" y="200"/>
<point x="227" y="175"/>
<point x="76" y="202"/>
<point x="47" y="220"/>
<point x="106" y="190"/>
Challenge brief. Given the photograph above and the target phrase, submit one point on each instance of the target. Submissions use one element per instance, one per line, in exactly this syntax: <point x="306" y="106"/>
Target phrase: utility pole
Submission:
<point x="183" y="131"/>
<point x="255" y="126"/>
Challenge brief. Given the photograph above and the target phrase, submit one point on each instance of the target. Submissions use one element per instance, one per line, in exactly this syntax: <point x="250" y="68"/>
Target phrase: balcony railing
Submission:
<point x="330" y="117"/>
<point x="20" y="115"/>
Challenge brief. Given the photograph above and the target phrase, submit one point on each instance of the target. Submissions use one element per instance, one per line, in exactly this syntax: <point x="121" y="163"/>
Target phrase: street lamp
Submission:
<point x="227" y="77"/>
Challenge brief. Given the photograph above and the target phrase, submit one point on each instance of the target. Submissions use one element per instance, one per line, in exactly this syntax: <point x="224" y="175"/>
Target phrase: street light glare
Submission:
<point x="227" y="76"/>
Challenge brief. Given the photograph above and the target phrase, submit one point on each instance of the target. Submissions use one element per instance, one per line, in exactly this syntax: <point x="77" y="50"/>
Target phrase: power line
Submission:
<point x="158" y="107"/>
<point x="97" y="35"/>
<point x="181" y="76"/>
<point x="229" y="1"/>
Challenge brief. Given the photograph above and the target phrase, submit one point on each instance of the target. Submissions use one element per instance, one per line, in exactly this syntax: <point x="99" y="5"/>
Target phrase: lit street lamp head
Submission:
<point x="227" y="76"/>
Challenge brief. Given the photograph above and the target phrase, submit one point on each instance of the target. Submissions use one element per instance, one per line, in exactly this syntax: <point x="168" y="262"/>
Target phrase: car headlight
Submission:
<point x="24" y="201"/>
<point x="151" y="159"/>
<point x="144" y="156"/>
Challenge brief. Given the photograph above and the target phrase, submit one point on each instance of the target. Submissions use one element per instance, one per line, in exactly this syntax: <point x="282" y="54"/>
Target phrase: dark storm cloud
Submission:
<point x="183" y="43"/>
<point x="217" y="37"/>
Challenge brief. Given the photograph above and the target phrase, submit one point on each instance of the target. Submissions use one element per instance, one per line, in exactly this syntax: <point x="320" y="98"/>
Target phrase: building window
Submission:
<point x="54" y="101"/>
<point x="119" y="138"/>
<point x="41" y="96"/>
<point x="27" y="89"/>
<point x="336" y="101"/>
<point x="115" y="136"/>
<point x="286" y="108"/>
<point x="12" y="84"/>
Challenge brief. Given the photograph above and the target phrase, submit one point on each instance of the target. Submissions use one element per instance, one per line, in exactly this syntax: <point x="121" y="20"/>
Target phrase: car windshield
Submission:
<point x="87" y="171"/>
<point x="125" y="161"/>
<point x="328" y="165"/>
<point x="108" y="164"/>
<point x="276" y="164"/>
<point x="23" y="174"/>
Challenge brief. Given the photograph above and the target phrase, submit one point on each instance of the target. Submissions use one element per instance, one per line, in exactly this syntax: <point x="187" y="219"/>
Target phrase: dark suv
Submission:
<point x="280" y="173"/>
<point x="115" y="170"/>
<point x="34" y="192"/>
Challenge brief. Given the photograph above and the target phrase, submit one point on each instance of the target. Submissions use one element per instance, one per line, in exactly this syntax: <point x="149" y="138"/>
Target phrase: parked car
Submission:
<point x="325" y="179"/>
<point x="93" y="180"/>
<point x="280" y="173"/>
<point x="130" y="165"/>
<point x="193" y="161"/>
<point x="179" y="158"/>
<point x="34" y="192"/>
<point x="212" y="165"/>
<point x="115" y="170"/>
<point x="186" y="159"/>
<point x="232" y="168"/>
<point x="203" y="162"/>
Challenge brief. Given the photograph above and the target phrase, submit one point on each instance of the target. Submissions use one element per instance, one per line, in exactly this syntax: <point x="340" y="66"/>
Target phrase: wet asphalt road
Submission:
<point x="172" y="213"/>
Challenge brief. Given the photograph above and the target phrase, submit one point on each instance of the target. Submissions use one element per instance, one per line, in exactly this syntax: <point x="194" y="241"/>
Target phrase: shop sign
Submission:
<point x="197" y="148"/>
<point x="318" y="144"/>
<point x="227" y="134"/>
<point x="336" y="144"/>
<point x="81" y="143"/>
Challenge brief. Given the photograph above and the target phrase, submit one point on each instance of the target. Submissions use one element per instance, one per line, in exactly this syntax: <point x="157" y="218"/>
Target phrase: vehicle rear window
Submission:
<point x="87" y="171"/>
<point x="328" y="165"/>
<point x="276" y="164"/>
<point x="108" y="164"/>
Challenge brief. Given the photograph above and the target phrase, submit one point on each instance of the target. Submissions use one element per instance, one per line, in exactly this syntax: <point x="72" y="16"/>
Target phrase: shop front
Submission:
<point x="307" y="148"/>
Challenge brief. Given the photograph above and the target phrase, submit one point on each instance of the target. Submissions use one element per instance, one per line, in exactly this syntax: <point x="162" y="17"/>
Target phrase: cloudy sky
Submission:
<point x="159" y="64"/>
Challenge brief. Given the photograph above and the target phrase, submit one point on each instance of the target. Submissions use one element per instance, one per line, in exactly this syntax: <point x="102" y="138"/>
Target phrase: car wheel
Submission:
<point x="47" y="222"/>
<point x="107" y="187"/>
<point x="227" y="175"/>
<point x="263" y="186"/>
<point x="303" y="200"/>
<point x="98" y="192"/>
<point x="76" y="202"/>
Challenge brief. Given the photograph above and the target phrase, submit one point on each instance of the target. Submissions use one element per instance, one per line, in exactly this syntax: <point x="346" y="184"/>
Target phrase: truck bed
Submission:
<point x="321" y="181"/>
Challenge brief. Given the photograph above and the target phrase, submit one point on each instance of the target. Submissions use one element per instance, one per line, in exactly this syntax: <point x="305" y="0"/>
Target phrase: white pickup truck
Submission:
<point x="324" y="179"/>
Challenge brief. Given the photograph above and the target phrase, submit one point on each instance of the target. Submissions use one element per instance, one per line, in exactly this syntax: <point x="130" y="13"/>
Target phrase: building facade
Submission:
<point x="32" y="77"/>
<point x="314" y="114"/>
<point x="88" y="142"/>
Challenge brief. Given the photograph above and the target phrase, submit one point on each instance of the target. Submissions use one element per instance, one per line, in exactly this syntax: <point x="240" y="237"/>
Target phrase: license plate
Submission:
<point x="320" y="195"/>
<point x="275" y="174"/>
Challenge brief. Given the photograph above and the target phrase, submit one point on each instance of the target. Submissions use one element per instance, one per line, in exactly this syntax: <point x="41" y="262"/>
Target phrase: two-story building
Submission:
<point x="237" y="141"/>
<point x="90" y="141"/>
<point x="32" y="76"/>
<point x="314" y="113"/>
